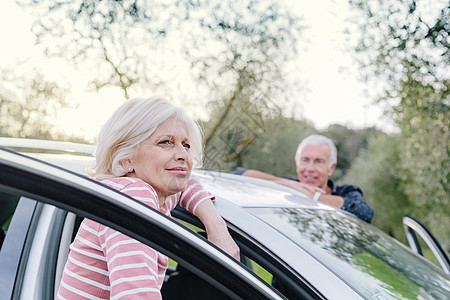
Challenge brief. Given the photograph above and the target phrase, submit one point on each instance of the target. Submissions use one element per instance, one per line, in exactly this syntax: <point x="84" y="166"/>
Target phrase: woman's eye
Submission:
<point x="187" y="146"/>
<point x="164" y="142"/>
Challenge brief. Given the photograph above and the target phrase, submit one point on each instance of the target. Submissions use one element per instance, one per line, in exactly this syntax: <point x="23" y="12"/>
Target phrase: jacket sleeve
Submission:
<point x="355" y="203"/>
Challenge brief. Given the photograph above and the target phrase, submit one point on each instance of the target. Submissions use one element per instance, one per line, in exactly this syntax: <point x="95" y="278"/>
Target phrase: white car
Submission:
<point x="291" y="247"/>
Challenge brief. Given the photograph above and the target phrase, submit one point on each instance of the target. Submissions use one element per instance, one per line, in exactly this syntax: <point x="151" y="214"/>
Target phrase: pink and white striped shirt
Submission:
<point x="106" y="264"/>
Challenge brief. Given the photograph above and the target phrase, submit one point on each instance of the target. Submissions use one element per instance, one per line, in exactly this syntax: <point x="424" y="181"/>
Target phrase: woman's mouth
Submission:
<point x="178" y="171"/>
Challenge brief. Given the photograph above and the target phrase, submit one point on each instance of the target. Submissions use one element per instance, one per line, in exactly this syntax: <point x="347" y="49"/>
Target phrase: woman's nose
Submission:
<point x="181" y="153"/>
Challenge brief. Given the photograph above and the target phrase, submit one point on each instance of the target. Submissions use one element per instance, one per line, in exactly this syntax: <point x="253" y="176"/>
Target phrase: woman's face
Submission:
<point x="163" y="160"/>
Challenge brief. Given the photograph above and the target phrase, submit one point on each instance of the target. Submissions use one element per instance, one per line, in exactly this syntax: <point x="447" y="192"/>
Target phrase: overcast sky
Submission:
<point x="333" y="92"/>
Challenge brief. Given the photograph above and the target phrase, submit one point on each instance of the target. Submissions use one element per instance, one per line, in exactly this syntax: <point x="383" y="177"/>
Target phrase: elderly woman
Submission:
<point x="146" y="150"/>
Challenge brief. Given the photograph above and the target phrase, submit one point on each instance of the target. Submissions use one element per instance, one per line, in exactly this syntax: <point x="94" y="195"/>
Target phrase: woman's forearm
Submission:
<point x="216" y="228"/>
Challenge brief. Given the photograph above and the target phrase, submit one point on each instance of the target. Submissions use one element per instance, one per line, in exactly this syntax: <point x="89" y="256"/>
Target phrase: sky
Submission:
<point x="333" y="95"/>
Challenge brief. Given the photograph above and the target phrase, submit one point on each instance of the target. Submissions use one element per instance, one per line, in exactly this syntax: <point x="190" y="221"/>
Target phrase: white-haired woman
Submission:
<point x="147" y="150"/>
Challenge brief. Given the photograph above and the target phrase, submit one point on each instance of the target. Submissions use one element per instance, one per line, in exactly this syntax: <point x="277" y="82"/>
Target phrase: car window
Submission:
<point x="363" y="256"/>
<point x="40" y="257"/>
<point x="258" y="260"/>
<point x="8" y="204"/>
<point x="247" y="261"/>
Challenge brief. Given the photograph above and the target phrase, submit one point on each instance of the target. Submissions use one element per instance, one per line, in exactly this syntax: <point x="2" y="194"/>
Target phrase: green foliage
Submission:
<point x="274" y="149"/>
<point x="27" y="106"/>
<point x="228" y="57"/>
<point x="424" y="118"/>
<point x="398" y="37"/>
<point x="164" y="46"/>
<point x="275" y="142"/>
<point x="378" y="172"/>
<point x="406" y="45"/>
<point x="349" y="143"/>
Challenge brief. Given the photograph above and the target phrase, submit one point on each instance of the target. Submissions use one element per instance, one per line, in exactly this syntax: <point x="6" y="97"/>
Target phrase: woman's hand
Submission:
<point x="216" y="229"/>
<point x="222" y="239"/>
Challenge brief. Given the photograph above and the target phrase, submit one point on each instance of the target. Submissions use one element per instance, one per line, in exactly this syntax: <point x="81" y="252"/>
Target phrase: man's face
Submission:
<point x="314" y="167"/>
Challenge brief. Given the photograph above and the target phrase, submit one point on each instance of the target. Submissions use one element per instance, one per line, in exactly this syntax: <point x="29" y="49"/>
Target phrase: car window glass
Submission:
<point x="252" y="265"/>
<point x="426" y="251"/>
<point x="363" y="256"/>
<point x="256" y="263"/>
<point x="8" y="204"/>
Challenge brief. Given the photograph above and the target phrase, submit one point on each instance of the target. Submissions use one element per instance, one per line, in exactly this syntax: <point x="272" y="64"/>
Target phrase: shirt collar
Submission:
<point x="331" y="185"/>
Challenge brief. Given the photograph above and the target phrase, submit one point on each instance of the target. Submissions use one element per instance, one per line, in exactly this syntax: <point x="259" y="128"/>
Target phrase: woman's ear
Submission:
<point x="127" y="163"/>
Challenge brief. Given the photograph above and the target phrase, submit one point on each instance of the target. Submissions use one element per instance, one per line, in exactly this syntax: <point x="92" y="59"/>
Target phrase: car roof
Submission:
<point x="44" y="146"/>
<point x="240" y="190"/>
<point x="253" y="192"/>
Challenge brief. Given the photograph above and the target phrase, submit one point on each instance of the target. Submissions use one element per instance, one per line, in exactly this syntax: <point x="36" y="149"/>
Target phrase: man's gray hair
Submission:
<point x="316" y="139"/>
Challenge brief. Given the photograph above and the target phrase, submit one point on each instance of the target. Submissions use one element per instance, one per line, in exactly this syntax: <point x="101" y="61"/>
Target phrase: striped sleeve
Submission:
<point x="106" y="264"/>
<point x="193" y="195"/>
<point x="136" y="188"/>
<point x="85" y="275"/>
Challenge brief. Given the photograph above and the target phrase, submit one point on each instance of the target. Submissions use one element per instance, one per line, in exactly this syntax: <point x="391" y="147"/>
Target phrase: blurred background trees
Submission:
<point x="27" y="105"/>
<point x="405" y="45"/>
<point x="232" y="54"/>
<point x="232" y="60"/>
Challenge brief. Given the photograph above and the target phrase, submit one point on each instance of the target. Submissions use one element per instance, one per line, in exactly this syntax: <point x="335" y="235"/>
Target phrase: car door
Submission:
<point x="261" y="261"/>
<point x="29" y="267"/>
<point x="412" y="228"/>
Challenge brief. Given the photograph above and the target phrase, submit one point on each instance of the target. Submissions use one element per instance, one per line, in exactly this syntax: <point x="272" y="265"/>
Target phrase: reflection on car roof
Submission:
<point x="253" y="192"/>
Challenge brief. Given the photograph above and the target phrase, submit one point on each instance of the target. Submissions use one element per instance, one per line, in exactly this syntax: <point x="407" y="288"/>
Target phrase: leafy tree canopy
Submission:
<point x="221" y="55"/>
<point x="405" y="44"/>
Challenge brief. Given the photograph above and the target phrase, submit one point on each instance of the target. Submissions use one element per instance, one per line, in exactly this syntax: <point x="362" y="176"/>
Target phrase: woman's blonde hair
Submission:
<point x="131" y="123"/>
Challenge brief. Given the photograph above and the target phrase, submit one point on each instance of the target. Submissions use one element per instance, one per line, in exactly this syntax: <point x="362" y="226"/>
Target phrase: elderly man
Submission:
<point x="316" y="159"/>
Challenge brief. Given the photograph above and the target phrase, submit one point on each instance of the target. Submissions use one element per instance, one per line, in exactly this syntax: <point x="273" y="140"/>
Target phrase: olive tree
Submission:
<point x="405" y="45"/>
<point x="216" y="56"/>
<point x="27" y="104"/>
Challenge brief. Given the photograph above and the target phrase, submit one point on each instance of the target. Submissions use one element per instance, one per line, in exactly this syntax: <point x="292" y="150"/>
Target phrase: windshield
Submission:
<point x="370" y="261"/>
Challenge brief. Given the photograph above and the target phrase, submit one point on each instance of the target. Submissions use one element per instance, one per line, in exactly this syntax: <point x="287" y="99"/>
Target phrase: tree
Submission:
<point x="378" y="171"/>
<point x="274" y="149"/>
<point x="230" y="53"/>
<point x="26" y="104"/>
<point x="405" y="44"/>
<point x="349" y="143"/>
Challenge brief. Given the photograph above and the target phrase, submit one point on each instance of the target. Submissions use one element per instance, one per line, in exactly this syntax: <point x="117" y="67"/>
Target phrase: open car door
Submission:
<point x="413" y="227"/>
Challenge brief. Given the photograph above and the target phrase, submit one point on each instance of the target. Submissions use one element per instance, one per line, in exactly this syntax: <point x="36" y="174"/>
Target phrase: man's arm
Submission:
<point x="335" y="201"/>
<point x="284" y="181"/>
<point x="306" y="189"/>
<point x="349" y="199"/>
<point x="355" y="202"/>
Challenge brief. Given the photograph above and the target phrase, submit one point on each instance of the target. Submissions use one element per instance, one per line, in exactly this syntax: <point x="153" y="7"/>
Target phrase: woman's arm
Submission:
<point x="199" y="202"/>
<point x="216" y="228"/>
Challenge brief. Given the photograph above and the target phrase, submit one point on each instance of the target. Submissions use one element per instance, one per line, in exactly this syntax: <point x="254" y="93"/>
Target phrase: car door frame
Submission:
<point x="412" y="227"/>
<point x="71" y="192"/>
